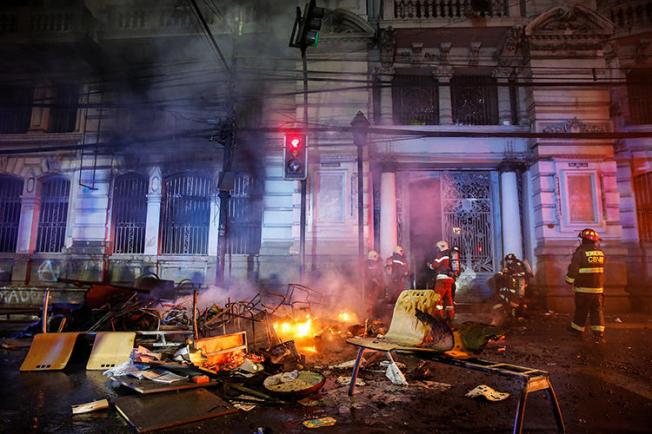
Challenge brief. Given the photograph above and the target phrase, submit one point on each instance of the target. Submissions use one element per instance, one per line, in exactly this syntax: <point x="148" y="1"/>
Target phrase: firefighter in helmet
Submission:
<point x="397" y="271"/>
<point x="586" y="275"/>
<point x="374" y="283"/>
<point x="444" y="281"/>
<point x="512" y="283"/>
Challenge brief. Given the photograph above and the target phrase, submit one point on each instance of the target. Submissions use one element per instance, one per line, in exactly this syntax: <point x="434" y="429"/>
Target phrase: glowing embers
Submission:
<point x="347" y="317"/>
<point x="296" y="329"/>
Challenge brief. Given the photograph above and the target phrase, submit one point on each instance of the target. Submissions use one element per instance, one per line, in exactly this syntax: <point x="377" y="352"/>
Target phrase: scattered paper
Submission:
<point x="162" y="376"/>
<point x="395" y="375"/>
<point x="243" y="406"/>
<point x="321" y="422"/>
<point x="488" y="393"/>
<point x="90" y="406"/>
<point x="142" y="354"/>
<point x="343" y="365"/>
<point x="618" y="320"/>
<point x="126" y="368"/>
<point x="347" y="380"/>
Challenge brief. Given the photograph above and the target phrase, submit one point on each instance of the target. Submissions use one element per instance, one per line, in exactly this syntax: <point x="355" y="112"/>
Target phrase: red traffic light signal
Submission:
<point x="295" y="156"/>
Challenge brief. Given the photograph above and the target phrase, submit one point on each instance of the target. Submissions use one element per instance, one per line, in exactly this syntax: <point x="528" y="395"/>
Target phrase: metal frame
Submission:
<point x="11" y="188"/>
<point x="531" y="380"/>
<point x="53" y="215"/>
<point x="129" y="213"/>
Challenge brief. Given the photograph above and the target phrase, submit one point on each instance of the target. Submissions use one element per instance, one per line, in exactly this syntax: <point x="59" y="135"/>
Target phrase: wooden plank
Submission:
<point x="147" y="387"/>
<point x="168" y="410"/>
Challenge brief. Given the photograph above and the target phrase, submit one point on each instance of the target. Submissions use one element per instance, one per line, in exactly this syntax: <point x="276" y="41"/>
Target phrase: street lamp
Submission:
<point x="360" y="129"/>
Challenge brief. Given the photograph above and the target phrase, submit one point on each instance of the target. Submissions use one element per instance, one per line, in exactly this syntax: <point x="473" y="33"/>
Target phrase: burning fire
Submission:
<point x="347" y="317"/>
<point x="295" y="329"/>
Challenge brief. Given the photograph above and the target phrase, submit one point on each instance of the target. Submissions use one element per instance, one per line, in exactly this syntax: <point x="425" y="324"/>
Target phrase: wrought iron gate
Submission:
<point x="186" y="215"/>
<point x="55" y="192"/>
<point x="129" y="213"/>
<point x="10" y="190"/>
<point x="244" y="216"/>
<point x="467" y="217"/>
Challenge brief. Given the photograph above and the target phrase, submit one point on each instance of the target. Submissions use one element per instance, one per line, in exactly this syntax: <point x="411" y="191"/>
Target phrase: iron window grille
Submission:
<point x="15" y="109"/>
<point x="474" y="100"/>
<point x="55" y="192"/>
<point x="640" y="97"/>
<point x="643" y="191"/>
<point x="63" y="114"/>
<point x="129" y="213"/>
<point x="10" y="189"/>
<point x="185" y="215"/>
<point x="415" y="100"/>
<point x="244" y="217"/>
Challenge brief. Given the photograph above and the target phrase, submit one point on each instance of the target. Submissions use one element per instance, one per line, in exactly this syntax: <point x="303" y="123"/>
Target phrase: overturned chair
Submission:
<point x="407" y="334"/>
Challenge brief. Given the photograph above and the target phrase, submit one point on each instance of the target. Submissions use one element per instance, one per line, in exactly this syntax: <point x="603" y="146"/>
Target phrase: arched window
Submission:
<point x="10" y="189"/>
<point x="55" y="191"/>
<point x="129" y="213"/>
<point x="185" y="215"/>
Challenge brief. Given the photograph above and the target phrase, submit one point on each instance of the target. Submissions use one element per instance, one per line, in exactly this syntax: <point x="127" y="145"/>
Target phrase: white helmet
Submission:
<point x="399" y="250"/>
<point x="442" y="245"/>
<point x="372" y="255"/>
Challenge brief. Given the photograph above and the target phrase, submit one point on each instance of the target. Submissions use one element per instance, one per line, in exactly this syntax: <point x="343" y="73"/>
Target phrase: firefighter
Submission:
<point x="397" y="271"/>
<point x="586" y="275"/>
<point x="374" y="283"/>
<point x="444" y="281"/>
<point x="513" y="283"/>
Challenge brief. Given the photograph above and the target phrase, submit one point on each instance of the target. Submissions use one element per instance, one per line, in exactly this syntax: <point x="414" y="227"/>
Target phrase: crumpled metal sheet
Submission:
<point x="488" y="393"/>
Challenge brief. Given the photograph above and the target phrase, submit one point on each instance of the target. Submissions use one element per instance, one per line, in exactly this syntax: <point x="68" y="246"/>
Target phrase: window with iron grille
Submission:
<point x="63" y="114"/>
<point x="185" y="215"/>
<point x="129" y="213"/>
<point x="10" y="189"/>
<point x="640" y="97"/>
<point x="643" y="191"/>
<point x="15" y="109"/>
<point x="474" y="100"/>
<point x="55" y="192"/>
<point x="415" y="100"/>
<point x="244" y="217"/>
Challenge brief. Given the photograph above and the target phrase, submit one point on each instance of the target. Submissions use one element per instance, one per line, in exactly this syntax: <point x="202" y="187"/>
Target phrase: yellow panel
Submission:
<point x="215" y="344"/>
<point x="110" y="349"/>
<point x="405" y="329"/>
<point x="49" y="351"/>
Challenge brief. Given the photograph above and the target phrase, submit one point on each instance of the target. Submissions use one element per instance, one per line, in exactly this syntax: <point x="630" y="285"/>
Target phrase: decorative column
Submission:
<point x="388" y="214"/>
<point x="504" y="101"/>
<point x="153" y="212"/>
<point x="510" y="214"/>
<point x="30" y="204"/>
<point x="444" y="74"/>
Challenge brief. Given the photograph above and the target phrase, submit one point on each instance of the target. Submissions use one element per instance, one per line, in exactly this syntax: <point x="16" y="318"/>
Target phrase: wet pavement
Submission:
<point x="601" y="389"/>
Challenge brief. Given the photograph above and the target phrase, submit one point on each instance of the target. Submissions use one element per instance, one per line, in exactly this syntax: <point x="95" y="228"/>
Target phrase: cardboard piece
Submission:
<point x="147" y="387"/>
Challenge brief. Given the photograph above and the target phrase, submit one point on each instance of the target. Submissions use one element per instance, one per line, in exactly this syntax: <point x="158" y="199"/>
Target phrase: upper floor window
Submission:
<point x="643" y="190"/>
<point x="474" y="100"/>
<point x="63" y="112"/>
<point x="415" y="100"/>
<point x="15" y="108"/>
<point x="245" y="215"/>
<point x="129" y="213"/>
<point x="10" y="189"/>
<point x="640" y="97"/>
<point x="55" y="193"/>
<point x="185" y="215"/>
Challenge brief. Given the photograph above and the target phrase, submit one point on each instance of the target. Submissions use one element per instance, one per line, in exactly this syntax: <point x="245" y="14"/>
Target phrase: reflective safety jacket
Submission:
<point x="442" y="265"/>
<point x="586" y="270"/>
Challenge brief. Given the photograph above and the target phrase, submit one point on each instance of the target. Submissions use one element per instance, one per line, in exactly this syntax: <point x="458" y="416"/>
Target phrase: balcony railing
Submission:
<point x="46" y="22"/>
<point x="444" y="9"/>
<point x="628" y="16"/>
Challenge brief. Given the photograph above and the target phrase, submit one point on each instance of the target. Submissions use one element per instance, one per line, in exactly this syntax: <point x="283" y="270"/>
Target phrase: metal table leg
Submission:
<point x="552" y="397"/>
<point x="356" y="367"/>
<point x="520" y="411"/>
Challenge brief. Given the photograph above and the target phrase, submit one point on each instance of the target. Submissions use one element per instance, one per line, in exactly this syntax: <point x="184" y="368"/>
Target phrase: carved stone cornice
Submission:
<point x="575" y="125"/>
<point x="575" y="27"/>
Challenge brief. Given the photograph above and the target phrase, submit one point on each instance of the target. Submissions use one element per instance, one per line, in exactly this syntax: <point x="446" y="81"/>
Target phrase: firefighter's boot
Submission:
<point x="598" y="338"/>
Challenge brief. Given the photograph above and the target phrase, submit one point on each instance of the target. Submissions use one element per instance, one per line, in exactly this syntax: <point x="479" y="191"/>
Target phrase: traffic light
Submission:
<point x="295" y="156"/>
<point x="309" y="26"/>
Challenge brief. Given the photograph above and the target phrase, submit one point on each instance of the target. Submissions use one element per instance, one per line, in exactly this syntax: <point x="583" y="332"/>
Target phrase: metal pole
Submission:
<point x="302" y="218"/>
<point x="360" y="128"/>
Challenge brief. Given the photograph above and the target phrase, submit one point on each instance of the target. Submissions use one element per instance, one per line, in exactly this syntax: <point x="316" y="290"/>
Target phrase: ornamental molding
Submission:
<point x="575" y="125"/>
<point x="342" y="21"/>
<point x="569" y="22"/>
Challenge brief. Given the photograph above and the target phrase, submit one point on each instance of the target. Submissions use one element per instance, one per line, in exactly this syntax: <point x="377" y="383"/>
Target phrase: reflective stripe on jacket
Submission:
<point x="586" y="270"/>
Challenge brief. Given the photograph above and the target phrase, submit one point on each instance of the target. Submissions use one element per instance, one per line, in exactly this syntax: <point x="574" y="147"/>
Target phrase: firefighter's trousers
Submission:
<point x="592" y="305"/>
<point x="445" y="308"/>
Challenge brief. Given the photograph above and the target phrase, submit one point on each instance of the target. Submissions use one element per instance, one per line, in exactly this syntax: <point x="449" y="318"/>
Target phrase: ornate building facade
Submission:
<point x="103" y="177"/>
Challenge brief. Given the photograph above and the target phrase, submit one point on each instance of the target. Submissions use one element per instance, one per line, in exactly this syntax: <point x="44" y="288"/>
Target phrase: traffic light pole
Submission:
<point x="302" y="218"/>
